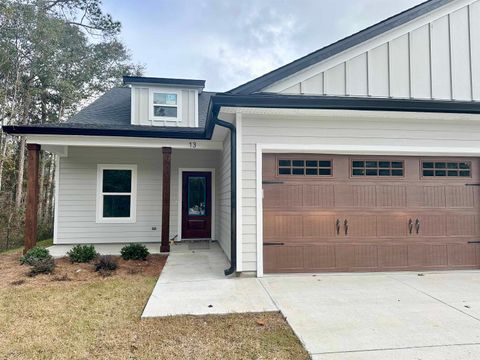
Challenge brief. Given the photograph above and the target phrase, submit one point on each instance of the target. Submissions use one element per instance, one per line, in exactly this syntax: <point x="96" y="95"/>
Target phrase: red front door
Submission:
<point x="196" y="205"/>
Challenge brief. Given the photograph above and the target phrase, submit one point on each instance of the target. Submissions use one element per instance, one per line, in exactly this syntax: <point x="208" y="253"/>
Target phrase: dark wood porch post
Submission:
<point x="167" y="157"/>
<point x="31" y="210"/>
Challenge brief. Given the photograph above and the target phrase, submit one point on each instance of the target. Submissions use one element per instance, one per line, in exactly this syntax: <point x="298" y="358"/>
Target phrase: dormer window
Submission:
<point x="165" y="105"/>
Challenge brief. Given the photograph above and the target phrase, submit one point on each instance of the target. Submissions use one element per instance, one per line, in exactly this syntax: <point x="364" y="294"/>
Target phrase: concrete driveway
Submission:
<point x="382" y="316"/>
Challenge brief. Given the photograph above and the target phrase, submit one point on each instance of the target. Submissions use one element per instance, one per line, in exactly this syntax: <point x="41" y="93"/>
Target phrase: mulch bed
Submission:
<point x="12" y="273"/>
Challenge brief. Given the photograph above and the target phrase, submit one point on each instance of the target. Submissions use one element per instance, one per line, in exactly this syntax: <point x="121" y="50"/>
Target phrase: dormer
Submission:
<point x="164" y="101"/>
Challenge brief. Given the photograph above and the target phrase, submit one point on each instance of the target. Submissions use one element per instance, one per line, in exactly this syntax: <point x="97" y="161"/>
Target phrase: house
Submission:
<point x="361" y="156"/>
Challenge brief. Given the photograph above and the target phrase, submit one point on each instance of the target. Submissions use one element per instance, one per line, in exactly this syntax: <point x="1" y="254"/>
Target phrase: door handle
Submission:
<point x="410" y="226"/>
<point x="345" y="225"/>
<point x="417" y="226"/>
<point x="337" y="225"/>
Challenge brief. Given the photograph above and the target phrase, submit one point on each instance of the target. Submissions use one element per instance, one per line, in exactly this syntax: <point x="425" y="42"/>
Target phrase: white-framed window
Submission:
<point x="165" y="105"/>
<point x="116" y="193"/>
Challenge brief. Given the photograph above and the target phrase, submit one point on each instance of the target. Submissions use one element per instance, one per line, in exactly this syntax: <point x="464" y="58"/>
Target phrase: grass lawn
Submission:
<point x="76" y="314"/>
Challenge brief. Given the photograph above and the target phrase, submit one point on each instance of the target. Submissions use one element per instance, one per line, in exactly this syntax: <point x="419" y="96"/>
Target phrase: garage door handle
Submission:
<point x="474" y="242"/>
<point x="345" y="225"/>
<point x="410" y="226"/>
<point x="417" y="226"/>
<point x="273" y="243"/>
<point x="337" y="224"/>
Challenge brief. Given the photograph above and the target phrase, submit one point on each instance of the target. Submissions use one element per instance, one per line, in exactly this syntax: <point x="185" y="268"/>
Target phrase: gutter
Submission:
<point x="233" y="192"/>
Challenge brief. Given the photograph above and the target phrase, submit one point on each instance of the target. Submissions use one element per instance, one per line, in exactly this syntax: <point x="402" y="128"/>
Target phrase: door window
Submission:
<point x="197" y="195"/>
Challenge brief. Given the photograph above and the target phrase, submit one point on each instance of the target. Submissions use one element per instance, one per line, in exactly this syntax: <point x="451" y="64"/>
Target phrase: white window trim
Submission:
<point x="154" y="118"/>
<point x="133" y="194"/>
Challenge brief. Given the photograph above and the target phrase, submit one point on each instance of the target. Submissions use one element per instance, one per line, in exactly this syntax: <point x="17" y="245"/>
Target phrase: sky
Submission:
<point x="229" y="42"/>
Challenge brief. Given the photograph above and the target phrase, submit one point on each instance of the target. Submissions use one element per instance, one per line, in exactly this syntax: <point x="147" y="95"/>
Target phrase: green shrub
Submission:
<point x="106" y="263"/>
<point x="42" y="266"/>
<point x="36" y="253"/>
<point x="82" y="253"/>
<point x="134" y="252"/>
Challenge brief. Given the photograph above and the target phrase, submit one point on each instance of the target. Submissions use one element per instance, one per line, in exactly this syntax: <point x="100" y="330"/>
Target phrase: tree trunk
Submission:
<point x="21" y="170"/>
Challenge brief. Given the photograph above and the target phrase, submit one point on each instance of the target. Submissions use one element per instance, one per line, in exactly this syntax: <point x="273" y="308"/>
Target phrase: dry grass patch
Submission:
<point x="68" y="316"/>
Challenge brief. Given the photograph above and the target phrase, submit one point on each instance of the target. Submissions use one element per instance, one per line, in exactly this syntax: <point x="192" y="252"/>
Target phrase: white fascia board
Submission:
<point x="126" y="142"/>
<point x="351" y="114"/>
<point x="359" y="49"/>
<point x="60" y="150"/>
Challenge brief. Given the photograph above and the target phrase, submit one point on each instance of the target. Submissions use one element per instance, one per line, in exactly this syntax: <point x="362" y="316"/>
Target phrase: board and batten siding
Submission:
<point x="76" y="221"/>
<point x="141" y="108"/>
<point x="406" y="133"/>
<point x="435" y="57"/>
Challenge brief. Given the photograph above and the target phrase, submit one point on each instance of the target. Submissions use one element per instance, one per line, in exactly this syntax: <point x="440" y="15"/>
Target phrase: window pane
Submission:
<point x="371" y="164"/>
<point x="440" y="173"/>
<point x="358" y="172"/>
<point x="117" y="181"/>
<point x="116" y="206"/>
<point x="427" y="172"/>
<point x="397" y="172"/>
<point x="358" y="164"/>
<point x="428" y="165"/>
<point x="384" y="164"/>
<point x="452" y="173"/>
<point x="464" y="165"/>
<point x="397" y="164"/>
<point x="197" y="195"/>
<point x="372" y="172"/>
<point x="440" y="165"/>
<point x="298" y="163"/>
<point x="384" y="172"/>
<point x="311" y="163"/>
<point x="465" y="173"/>
<point x="284" y="171"/>
<point x="164" y="99"/>
<point x="324" y="163"/>
<point x="325" y="172"/>
<point x="452" y="165"/>
<point x="298" y="171"/>
<point x="284" y="162"/>
<point x="312" y="171"/>
<point x="164" y="111"/>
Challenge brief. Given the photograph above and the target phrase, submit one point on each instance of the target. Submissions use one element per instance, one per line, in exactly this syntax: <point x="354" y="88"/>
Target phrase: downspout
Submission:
<point x="233" y="196"/>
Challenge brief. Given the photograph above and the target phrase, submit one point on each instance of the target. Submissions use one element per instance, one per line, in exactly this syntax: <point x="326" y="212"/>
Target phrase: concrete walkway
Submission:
<point x="192" y="282"/>
<point x="383" y="316"/>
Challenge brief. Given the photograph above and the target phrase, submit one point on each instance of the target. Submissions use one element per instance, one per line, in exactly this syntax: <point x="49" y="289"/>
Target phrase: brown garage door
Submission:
<point x="342" y="213"/>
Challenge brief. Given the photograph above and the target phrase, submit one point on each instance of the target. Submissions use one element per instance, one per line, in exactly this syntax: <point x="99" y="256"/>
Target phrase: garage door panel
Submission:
<point x="361" y="226"/>
<point x="431" y="225"/>
<point x="319" y="226"/>
<point x="283" y="196"/>
<point x="460" y="196"/>
<point x="462" y="225"/>
<point x="283" y="258"/>
<point x="321" y="257"/>
<point x="356" y="257"/>
<point x="283" y="225"/>
<point x="355" y="196"/>
<point x="392" y="256"/>
<point x="463" y="255"/>
<point x="319" y="196"/>
<point x="391" y="196"/>
<point x="427" y="255"/>
<point x="426" y="196"/>
<point x="392" y="226"/>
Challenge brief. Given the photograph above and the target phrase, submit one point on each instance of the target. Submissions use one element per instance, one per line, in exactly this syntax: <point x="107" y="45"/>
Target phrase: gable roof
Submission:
<point x="163" y="81"/>
<point x="263" y="81"/>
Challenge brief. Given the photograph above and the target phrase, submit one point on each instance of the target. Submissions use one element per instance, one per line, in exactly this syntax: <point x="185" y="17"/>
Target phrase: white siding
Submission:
<point x="407" y="133"/>
<point x="224" y="197"/>
<point x="434" y="57"/>
<point x="187" y="107"/>
<point x="77" y="193"/>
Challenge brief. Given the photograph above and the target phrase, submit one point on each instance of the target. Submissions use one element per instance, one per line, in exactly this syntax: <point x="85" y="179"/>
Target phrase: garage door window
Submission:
<point x="377" y="168"/>
<point x="304" y="167"/>
<point x="446" y="168"/>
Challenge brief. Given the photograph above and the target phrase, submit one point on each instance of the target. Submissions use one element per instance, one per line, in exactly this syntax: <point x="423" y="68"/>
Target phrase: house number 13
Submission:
<point x="193" y="145"/>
